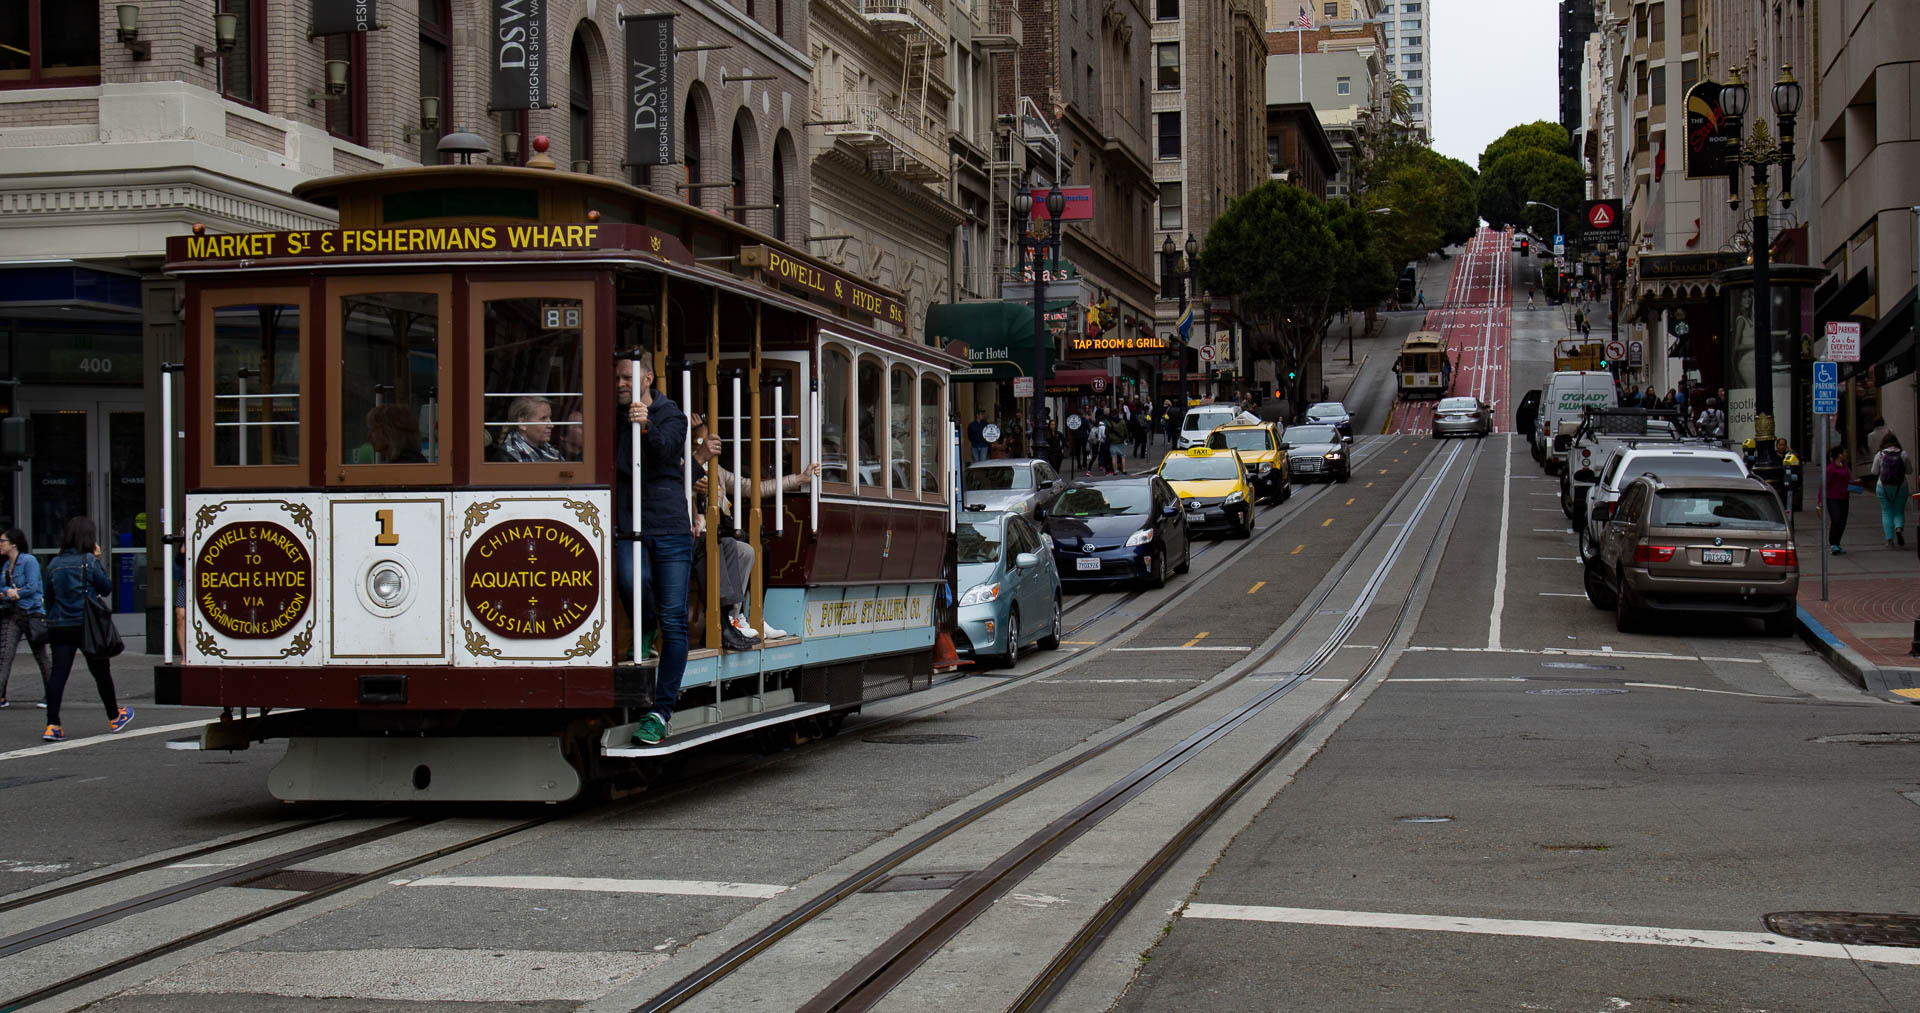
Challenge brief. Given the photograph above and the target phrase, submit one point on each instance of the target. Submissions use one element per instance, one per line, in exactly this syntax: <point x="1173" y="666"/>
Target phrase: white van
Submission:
<point x="1201" y="420"/>
<point x="1561" y="401"/>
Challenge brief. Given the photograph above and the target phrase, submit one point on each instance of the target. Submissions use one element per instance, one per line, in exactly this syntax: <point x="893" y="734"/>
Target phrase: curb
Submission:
<point x="1883" y="683"/>
<point x="1357" y="370"/>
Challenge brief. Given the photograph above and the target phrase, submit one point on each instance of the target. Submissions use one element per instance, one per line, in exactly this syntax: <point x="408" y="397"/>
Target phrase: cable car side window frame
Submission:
<point x="211" y="473"/>
<point x="593" y="353"/>
<point x="437" y="472"/>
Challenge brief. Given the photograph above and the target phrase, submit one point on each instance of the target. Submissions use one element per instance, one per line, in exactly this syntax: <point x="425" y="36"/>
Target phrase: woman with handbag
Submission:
<point x="23" y="612"/>
<point x="74" y="580"/>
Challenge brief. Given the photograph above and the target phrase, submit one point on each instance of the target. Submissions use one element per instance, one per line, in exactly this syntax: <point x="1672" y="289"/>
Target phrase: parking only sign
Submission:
<point x="1826" y="388"/>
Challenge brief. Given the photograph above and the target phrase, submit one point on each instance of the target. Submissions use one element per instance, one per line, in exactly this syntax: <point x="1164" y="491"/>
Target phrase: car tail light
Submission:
<point x="1653" y="553"/>
<point x="1780" y="557"/>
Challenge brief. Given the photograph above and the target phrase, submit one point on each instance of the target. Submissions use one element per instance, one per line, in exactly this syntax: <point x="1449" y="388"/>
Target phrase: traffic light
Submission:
<point x="1523" y="246"/>
<point x="1293" y="374"/>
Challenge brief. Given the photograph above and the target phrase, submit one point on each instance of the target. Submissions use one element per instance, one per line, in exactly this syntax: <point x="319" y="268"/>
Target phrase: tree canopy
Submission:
<point x="1541" y="134"/>
<point x="1531" y="174"/>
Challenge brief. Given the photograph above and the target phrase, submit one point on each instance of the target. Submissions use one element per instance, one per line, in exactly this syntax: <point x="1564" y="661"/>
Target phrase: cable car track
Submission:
<point x="869" y="980"/>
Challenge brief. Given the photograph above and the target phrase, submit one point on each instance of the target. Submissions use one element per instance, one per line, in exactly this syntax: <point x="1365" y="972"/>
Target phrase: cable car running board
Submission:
<point x="706" y="733"/>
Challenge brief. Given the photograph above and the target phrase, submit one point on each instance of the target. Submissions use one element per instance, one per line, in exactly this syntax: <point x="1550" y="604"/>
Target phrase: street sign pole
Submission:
<point x="1826" y="402"/>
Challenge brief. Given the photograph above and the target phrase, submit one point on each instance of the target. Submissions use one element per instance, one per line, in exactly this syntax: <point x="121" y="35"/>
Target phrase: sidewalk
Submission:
<point x="1866" y="625"/>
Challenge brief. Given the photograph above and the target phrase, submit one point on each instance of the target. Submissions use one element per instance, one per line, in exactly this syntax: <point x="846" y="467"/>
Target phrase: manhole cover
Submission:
<point x="1857" y="928"/>
<point x="1582" y="665"/>
<point x="1874" y="738"/>
<point x="1582" y="691"/>
<point x="917" y="881"/>
<point x="1426" y="819"/>
<point x="926" y="739"/>
<point x="297" y="880"/>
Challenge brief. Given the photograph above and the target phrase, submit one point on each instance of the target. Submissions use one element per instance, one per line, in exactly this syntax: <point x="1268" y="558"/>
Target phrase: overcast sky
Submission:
<point x="1494" y="65"/>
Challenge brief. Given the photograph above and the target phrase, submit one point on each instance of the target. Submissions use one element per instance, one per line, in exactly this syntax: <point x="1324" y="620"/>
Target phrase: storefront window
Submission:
<point x="870" y="388"/>
<point x="835" y="373"/>
<point x="390" y="360"/>
<point x="932" y="435"/>
<point x="534" y="392"/>
<point x="256" y="385"/>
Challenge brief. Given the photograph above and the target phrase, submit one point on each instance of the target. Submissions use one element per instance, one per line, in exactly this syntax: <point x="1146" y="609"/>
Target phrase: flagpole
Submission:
<point x="1300" y="58"/>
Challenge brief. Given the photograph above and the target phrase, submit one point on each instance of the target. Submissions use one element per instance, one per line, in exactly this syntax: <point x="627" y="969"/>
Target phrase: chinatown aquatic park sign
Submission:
<point x="253" y="580"/>
<point x="532" y="579"/>
<point x="445" y="239"/>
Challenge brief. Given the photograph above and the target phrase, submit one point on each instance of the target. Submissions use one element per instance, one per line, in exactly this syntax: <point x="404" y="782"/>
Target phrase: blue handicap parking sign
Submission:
<point x="1826" y="372"/>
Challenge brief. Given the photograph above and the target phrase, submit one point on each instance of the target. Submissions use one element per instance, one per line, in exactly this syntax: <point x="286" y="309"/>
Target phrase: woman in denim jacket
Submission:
<point x="75" y="573"/>
<point x="20" y="597"/>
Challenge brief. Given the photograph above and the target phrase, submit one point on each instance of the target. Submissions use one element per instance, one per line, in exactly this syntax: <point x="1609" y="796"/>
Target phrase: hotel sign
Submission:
<point x="815" y="280"/>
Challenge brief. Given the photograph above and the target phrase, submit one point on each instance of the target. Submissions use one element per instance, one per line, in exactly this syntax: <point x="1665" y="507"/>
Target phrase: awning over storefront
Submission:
<point x="1078" y="381"/>
<point x="998" y="336"/>
<point x="1887" y="347"/>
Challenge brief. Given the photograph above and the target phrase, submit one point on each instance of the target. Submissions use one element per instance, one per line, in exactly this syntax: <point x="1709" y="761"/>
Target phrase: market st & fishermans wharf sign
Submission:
<point x="447" y="239"/>
<point x="253" y="580"/>
<point x="531" y="579"/>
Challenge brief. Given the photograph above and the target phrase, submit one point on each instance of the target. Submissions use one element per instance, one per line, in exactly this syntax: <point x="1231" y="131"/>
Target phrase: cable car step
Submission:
<point x="618" y="740"/>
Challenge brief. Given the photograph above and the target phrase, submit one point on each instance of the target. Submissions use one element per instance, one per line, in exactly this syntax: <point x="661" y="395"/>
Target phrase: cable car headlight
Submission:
<point x="387" y="585"/>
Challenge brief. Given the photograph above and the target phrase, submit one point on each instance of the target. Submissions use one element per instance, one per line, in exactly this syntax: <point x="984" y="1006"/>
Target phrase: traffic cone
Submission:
<point x="945" y="658"/>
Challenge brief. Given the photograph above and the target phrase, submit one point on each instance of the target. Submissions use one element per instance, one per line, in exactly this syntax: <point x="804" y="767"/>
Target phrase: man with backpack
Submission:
<point x="1712" y="422"/>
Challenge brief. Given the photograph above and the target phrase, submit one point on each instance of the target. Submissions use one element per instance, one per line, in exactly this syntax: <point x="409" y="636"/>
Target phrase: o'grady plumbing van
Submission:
<point x="1565" y="395"/>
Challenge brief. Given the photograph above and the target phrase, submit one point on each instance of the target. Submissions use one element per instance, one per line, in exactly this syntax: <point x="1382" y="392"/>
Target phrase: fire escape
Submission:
<point x="894" y="131"/>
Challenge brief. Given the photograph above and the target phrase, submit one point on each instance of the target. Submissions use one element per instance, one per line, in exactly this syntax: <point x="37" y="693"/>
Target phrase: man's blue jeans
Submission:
<point x="666" y="567"/>
<point x="979" y="452"/>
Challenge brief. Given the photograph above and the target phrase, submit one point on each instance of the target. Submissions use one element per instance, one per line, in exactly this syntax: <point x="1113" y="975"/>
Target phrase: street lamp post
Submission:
<point x="1558" y="282"/>
<point x="1056" y="204"/>
<point x="1761" y="153"/>
<point x="1185" y="271"/>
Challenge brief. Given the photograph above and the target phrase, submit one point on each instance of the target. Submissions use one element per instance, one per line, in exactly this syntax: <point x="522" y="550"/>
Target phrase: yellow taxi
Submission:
<point x="1259" y="447"/>
<point x="1213" y="489"/>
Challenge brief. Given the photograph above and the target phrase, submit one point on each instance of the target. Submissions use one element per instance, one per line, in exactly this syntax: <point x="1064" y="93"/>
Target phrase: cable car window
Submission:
<point x="256" y="385"/>
<point x="389" y="368"/>
<point x="870" y="387"/>
<point x="931" y="435"/>
<point x="534" y="392"/>
<point x="900" y="443"/>
<point x="835" y="372"/>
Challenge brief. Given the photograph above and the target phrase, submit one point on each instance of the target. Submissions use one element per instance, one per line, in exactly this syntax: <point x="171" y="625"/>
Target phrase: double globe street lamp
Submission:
<point x="1184" y="271"/>
<point x="1761" y="152"/>
<point x="1056" y="205"/>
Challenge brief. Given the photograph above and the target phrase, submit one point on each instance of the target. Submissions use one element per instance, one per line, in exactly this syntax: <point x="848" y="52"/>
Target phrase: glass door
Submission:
<point x="90" y="458"/>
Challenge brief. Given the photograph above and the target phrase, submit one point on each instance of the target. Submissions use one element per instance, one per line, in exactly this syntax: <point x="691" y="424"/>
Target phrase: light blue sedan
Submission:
<point x="1009" y="589"/>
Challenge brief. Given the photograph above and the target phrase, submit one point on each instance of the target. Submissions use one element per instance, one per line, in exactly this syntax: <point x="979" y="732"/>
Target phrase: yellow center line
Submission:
<point x="1197" y="637"/>
<point x="1296" y="550"/>
<point x="1327" y="523"/>
<point x="1383" y="471"/>
<point x="1350" y="500"/>
<point x="1257" y="586"/>
<point x="1369" y="485"/>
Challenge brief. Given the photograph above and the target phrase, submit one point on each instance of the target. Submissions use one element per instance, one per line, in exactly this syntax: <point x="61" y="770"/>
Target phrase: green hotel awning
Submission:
<point x="998" y="336"/>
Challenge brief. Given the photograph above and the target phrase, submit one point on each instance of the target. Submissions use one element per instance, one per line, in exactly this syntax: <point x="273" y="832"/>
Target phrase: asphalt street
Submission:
<point x="1382" y="755"/>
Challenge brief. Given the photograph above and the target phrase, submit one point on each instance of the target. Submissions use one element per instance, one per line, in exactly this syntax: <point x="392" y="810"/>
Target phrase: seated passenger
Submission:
<point x="529" y="437"/>
<point x="394" y="435"/>
<point x="736" y="555"/>
<point x="572" y="436"/>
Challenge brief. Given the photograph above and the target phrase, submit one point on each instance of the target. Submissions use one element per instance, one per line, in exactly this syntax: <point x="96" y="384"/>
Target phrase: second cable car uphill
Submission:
<point x="399" y="458"/>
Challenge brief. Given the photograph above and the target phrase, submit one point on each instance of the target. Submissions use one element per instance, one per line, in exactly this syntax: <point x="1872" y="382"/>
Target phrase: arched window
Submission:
<point x="782" y="159"/>
<point x="690" y="150"/>
<point x="580" y="101"/>
<point x="739" y="177"/>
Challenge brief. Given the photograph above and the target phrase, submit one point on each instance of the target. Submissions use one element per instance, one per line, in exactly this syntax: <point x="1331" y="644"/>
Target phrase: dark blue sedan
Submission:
<point x="1123" y="530"/>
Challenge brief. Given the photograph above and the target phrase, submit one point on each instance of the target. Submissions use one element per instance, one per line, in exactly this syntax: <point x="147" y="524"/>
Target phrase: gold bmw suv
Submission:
<point x="1695" y="543"/>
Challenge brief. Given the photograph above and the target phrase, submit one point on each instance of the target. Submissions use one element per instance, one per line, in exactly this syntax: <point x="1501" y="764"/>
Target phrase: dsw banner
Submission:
<point x="650" y="89"/>
<point x="337" y="17"/>
<point x="519" y="54"/>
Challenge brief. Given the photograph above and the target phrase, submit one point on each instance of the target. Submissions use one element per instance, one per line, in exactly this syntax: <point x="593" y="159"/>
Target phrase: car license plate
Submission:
<point x="1716" y="555"/>
<point x="1196" y="515"/>
<point x="1086" y="563"/>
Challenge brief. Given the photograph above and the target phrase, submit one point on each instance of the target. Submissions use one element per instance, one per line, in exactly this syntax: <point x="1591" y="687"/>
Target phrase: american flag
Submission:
<point x="1305" y="20"/>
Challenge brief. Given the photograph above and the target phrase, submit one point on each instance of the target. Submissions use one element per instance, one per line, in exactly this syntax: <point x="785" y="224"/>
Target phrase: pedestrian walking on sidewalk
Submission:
<point x="73" y="575"/>
<point x="1892" y="472"/>
<point x="21" y="602"/>
<point x="1529" y="295"/>
<point x="1420" y="299"/>
<point x="1839" y="476"/>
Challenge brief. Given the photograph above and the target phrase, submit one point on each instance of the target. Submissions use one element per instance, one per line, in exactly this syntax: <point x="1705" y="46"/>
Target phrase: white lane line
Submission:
<point x="1560" y="594"/>
<point x="1719" y="692"/>
<point x="95" y="740"/>
<point x="1604" y="652"/>
<point x="1500" y="558"/>
<point x="1177" y="647"/>
<point x="1708" y="939"/>
<point x="671" y="887"/>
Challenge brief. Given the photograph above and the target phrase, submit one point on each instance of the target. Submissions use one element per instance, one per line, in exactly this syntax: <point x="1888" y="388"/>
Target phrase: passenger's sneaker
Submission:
<point x="42" y="705"/>
<point x="651" y="730"/>
<point x="121" y="720"/>
<point x="739" y="622"/>
<point x="734" y="640"/>
<point x="53" y="734"/>
<point x="3" y="703"/>
<point x="770" y="631"/>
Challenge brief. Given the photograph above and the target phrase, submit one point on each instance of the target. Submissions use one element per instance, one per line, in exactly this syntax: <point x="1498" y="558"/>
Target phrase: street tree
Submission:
<point x="1542" y="134"/>
<point x="1274" y="253"/>
<point x="1530" y="174"/>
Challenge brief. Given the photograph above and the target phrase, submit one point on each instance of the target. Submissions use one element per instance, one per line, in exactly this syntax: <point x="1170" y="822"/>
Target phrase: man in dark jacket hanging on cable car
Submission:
<point x="666" y="527"/>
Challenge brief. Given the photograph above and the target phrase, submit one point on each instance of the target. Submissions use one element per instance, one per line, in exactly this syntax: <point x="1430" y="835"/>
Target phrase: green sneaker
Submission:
<point x="651" y="730"/>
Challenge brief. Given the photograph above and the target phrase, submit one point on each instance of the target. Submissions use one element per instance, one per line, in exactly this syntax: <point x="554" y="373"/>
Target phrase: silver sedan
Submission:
<point x="1462" y="416"/>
